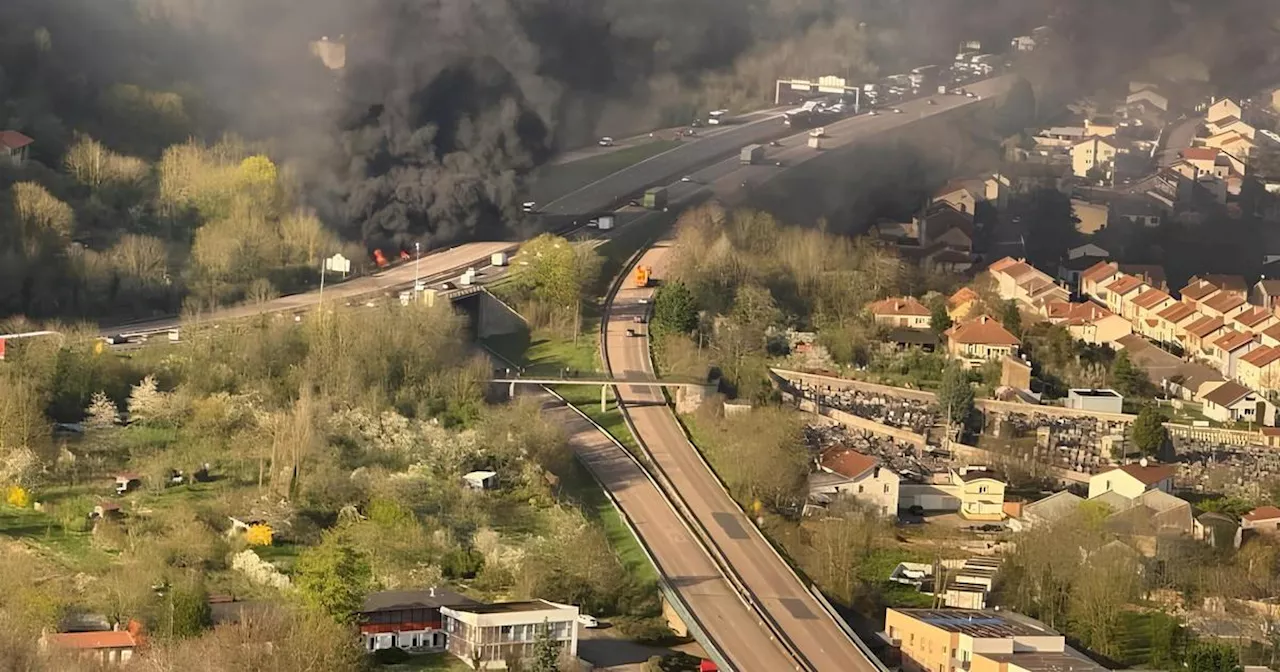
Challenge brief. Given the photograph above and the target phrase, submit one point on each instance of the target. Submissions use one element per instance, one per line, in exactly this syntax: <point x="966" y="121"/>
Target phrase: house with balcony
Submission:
<point x="1094" y="156"/>
<point x="407" y="619"/>
<point x="492" y="633"/>
<point x="963" y="195"/>
<point x="981" y="493"/>
<point x="980" y="340"/>
<point x="948" y="640"/>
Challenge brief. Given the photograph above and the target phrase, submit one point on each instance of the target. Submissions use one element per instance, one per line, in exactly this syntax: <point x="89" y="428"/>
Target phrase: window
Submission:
<point x="982" y="489"/>
<point x="886" y="488"/>
<point x="861" y="489"/>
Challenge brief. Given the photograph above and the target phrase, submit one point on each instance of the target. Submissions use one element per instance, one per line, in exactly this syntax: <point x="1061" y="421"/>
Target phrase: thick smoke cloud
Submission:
<point x="445" y="106"/>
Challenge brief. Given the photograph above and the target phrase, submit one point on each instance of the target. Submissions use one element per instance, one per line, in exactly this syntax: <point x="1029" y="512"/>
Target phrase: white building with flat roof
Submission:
<point x="506" y="628"/>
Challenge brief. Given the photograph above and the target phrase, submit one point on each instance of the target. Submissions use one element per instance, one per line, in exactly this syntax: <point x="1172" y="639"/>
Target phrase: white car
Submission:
<point x="873" y="113"/>
<point x="969" y="94"/>
<point x="588" y="621"/>
<point x="897" y="110"/>
<point x="529" y="206"/>
<point x="686" y="178"/>
<point x="606" y="141"/>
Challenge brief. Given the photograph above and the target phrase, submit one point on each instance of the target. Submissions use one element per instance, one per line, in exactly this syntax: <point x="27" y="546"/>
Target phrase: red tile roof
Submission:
<point x="1224" y="302"/>
<point x="1261" y="356"/>
<point x="1200" y="153"/>
<point x="1234" y="340"/>
<point x="1125" y="284"/>
<point x="1151" y="298"/>
<point x="1197" y="290"/>
<point x="1100" y="271"/>
<point x="962" y="296"/>
<point x="984" y="330"/>
<point x="1205" y="326"/>
<point x="1226" y="281"/>
<point x="1177" y="312"/>
<point x="1253" y="317"/>
<point x="14" y="140"/>
<point x="1273" y="331"/>
<point x="846" y="462"/>
<point x="999" y="265"/>
<point x="1227" y="394"/>
<point x="104" y="639"/>
<point x="899" y="306"/>
<point x="1018" y="270"/>
<point x="1262" y="513"/>
<point x="1150" y="474"/>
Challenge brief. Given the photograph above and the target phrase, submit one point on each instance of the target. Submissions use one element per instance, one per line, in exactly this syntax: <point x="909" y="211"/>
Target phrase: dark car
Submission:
<point x="915" y="510"/>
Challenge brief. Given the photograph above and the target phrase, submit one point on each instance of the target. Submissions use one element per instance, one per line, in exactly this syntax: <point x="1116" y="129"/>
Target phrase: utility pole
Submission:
<point x="417" y="277"/>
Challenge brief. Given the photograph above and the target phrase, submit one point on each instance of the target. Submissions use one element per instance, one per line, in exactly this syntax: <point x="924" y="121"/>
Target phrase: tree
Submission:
<point x="955" y="395"/>
<point x="101" y="413"/>
<point x="939" y="318"/>
<point x="1018" y="111"/>
<point x="189" y="613"/>
<point x="674" y="308"/>
<point x="45" y="223"/>
<point x="1050" y="224"/>
<point x="1205" y="656"/>
<point x="557" y="273"/>
<point x="1128" y="379"/>
<point x="1011" y="317"/>
<point x="1149" y="434"/>
<point x="333" y="577"/>
<point x="546" y="651"/>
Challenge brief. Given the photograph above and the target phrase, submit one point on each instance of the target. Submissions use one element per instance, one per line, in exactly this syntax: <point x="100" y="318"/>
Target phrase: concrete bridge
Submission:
<point x="690" y="392"/>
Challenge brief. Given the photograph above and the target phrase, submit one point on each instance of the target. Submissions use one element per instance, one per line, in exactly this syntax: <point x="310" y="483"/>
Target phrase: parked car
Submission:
<point x="588" y="621"/>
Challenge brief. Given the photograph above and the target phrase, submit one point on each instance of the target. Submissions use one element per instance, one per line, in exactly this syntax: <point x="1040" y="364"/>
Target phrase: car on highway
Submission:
<point x="777" y="163"/>
<point x="775" y="143"/>
<point x="118" y="339"/>
<point x="686" y="178"/>
<point x="897" y="110"/>
<point x="932" y="101"/>
<point x="632" y="333"/>
<point x="969" y="94"/>
<point x="529" y="206"/>
<point x="873" y="113"/>
<point x="606" y="141"/>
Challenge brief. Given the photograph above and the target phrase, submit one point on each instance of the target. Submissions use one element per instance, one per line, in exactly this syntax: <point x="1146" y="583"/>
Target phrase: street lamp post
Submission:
<point x="417" y="277"/>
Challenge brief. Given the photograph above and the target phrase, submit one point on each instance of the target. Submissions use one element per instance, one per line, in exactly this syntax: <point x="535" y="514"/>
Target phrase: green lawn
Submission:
<point x="554" y="181"/>
<point x="41" y="530"/>
<point x="435" y="662"/>
<point x="583" y="489"/>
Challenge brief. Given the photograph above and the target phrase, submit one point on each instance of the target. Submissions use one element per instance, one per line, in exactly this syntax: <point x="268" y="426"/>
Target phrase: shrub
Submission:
<point x="258" y="535"/>
<point x="18" y="496"/>
<point x="650" y="630"/>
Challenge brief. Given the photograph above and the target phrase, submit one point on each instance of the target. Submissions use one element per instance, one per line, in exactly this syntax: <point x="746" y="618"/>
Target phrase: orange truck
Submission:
<point x="642" y="276"/>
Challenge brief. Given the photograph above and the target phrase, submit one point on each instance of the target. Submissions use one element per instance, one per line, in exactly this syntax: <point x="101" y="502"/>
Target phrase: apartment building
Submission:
<point x="948" y="640"/>
<point x="499" y="631"/>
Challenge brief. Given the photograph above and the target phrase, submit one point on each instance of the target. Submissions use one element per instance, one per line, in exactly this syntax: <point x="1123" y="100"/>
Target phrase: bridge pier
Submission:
<point x="511" y="390"/>
<point x="604" y="399"/>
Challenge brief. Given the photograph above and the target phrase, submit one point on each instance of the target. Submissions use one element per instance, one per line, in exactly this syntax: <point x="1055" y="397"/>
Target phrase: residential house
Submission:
<point x="1152" y="274"/>
<point x="1231" y="124"/>
<point x="1202" y="160"/>
<point x="407" y="619"/>
<point x="1131" y="480"/>
<point x="1232" y="402"/>
<point x="1146" y="519"/>
<point x="981" y="493"/>
<point x="1121" y="293"/>
<point x="1262" y="520"/>
<point x="14" y="147"/>
<point x="1227" y="350"/>
<point x="1265" y="293"/>
<point x="1088" y="322"/>
<point x="946" y="640"/>
<point x="110" y="647"/>
<point x="1149" y="97"/>
<point x="980" y="340"/>
<point x="1225" y="305"/>
<point x="1222" y="108"/>
<point x="1046" y="511"/>
<point x="1147" y="307"/>
<point x="847" y="472"/>
<point x="901" y="312"/>
<point x="1095" y="278"/>
<point x="1232" y="142"/>
<point x="1197" y="291"/>
<point x="1226" y="282"/>
<point x="1101" y="126"/>
<point x="1271" y="336"/>
<point x="963" y="196"/>
<point x="1259" y="369"/>
<point x="962" y="304"/>
<point x="1093" y="153"/>
<point x="1016" y="280"/>
<point x="1072" y="270"/>
<point x="1255" y="319"/>
<point x="996" y="189"/>
<point x="1201" y="333"/>
<point x="1173" y="322"/>
<point x="947" y="226"/>
<point x="1088" y="250"/>
<point x="500" y="631"/>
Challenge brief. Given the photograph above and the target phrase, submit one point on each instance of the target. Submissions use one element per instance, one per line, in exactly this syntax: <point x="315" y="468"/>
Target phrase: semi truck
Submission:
<point x="655" y="198"/>
<point x="751" y="154"/>
<point x="643" y="274"/>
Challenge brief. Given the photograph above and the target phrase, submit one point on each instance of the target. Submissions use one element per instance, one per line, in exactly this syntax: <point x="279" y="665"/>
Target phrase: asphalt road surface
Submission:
<point x="684" y="563"/>
<point x="777" y="590"/>
<point x="616" y="189"/>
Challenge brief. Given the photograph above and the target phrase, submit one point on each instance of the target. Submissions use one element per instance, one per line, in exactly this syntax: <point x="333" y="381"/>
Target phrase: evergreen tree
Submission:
<point x="546" y="651"/>
<point x="674" y="308"/>
<point x="939" y="319"/>
<point x="955" y="395"/>
<point x="1149" y="434"/>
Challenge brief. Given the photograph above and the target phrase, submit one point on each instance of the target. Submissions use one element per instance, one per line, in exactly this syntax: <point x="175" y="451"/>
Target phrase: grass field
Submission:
<point x="555" y="181"/>
<point x="430" y="662"/>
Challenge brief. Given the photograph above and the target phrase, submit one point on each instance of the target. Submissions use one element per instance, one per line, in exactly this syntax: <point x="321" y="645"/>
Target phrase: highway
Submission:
<point x="681" y="560"/>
